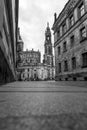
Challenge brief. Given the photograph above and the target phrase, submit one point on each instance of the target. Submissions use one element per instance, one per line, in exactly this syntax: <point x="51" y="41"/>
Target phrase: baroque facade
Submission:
<point x="29" y="66"/>
<point x="31" y="73"/>
<point x="70" y="41"/>
<point x="27" y="61"/>
<point x="48" y="53"/>
<point x="8" y="39"/>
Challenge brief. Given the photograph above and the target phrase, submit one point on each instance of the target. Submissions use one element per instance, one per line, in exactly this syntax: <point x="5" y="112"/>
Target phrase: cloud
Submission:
<point x="33" y="18"/>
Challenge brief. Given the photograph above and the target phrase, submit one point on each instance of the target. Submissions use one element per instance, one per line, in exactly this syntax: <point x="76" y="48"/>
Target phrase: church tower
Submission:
<point x="48" y="54"/>
<point x="19" y="49"/>
<point x="20" y="43"/>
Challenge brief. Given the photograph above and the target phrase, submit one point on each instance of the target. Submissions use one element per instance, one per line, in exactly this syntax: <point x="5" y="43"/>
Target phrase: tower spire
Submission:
<point x="48" y="56"/>
<point x="47" y="24"/>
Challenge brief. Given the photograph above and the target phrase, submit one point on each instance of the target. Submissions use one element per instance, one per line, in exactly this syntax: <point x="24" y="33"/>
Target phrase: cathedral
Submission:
<point x="29" y="66"/>
<point x="48" y="53"/>
<point x="48" y="56"/>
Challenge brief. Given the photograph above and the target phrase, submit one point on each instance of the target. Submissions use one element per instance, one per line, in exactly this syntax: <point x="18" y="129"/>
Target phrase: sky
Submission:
<point x="33" y="18"/>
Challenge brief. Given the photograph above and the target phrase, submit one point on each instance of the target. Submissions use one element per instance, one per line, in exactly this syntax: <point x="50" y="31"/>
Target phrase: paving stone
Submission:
<point x="33" y="106"/>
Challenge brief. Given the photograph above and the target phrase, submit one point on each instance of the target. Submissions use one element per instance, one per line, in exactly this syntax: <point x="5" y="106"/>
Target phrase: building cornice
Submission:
<point x="70" y="30"/>
<point x="70" y="5"/>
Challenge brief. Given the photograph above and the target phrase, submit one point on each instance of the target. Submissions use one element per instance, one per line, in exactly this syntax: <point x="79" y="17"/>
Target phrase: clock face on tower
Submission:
<point x="48" y="38"/>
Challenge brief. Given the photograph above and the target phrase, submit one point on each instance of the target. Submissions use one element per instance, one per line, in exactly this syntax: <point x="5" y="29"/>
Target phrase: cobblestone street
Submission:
<point x="42" y="105"/>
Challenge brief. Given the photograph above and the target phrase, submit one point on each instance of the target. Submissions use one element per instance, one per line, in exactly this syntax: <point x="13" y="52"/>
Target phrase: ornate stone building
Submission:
<point x="48" y="56"/>
<point x="35" y="72"/>
<point x="27" y="61"/>
<point x="8" y="39"/>
<point x="29" y="66"/>
<point x="48" y="53"/>
<point x="70" y="41"/>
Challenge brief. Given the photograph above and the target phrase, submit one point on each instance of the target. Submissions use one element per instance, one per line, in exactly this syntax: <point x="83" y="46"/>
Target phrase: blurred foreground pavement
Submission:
<point x="42" y="105"/>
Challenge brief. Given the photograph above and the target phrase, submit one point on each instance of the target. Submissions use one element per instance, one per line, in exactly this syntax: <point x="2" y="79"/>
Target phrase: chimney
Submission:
<point x="55" y="17"/>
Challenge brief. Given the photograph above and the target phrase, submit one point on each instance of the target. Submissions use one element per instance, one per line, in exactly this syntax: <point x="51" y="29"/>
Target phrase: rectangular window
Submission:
<point x="58" y="34"/>
<point x="0" y="34"/>
<point x="71" y="20"/>
<point x="23" y="75"/>
<point x="84" y="59"/>
<point x="73" y="63"/>
<point x="72" y="40"/>
<point x="83" y="33"/>
<point x="65" y="65"/>
<point x="81" y="9"/>
<point x="55" y="38"/>
<point x="59" y="67"/>
<point x="59" y="50"/>
<point x="64" y="47"/>
<point x="64" y="28"/>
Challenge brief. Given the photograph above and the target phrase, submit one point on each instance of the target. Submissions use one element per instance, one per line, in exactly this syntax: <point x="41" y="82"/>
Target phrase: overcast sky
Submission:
<point x="33" y="18"/>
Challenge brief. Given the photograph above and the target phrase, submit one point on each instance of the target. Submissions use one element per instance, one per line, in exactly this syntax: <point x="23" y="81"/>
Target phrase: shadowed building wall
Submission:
<point x="8" y="39"/>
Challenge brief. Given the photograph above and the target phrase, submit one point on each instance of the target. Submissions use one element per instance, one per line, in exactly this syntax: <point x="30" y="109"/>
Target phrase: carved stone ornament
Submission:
<point x="71" y="5"/>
